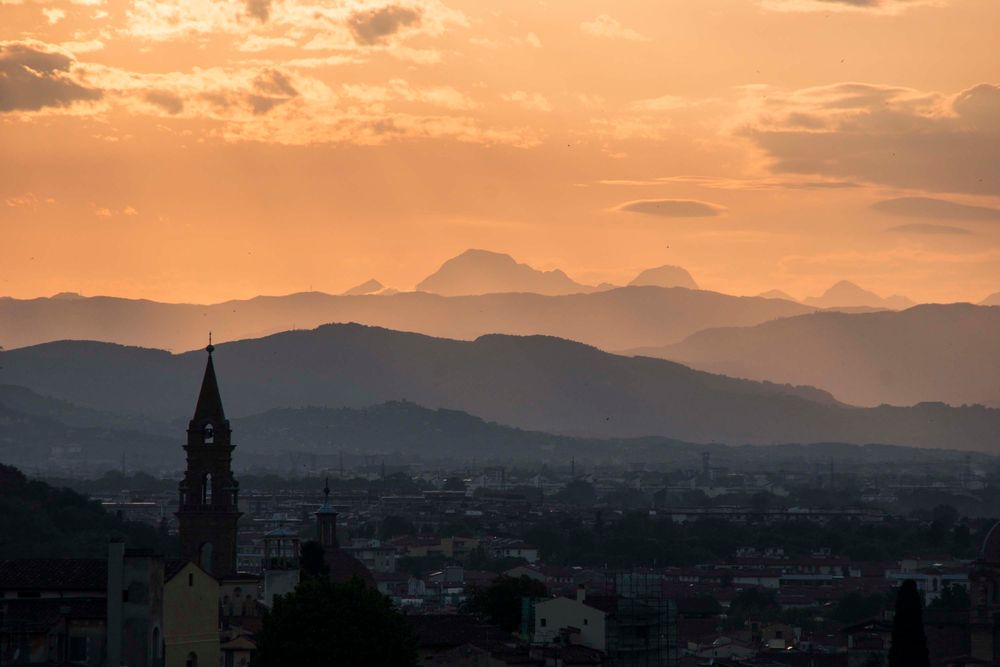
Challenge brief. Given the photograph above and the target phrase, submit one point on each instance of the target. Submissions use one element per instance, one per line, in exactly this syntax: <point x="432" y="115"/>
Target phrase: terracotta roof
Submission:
<point x="42" y="613"/>
<point x="54" y="574"/>
<point x="344" y="567"/>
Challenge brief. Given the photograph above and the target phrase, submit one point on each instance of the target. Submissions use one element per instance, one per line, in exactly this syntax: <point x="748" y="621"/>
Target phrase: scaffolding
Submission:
<point x="642" y="629"/>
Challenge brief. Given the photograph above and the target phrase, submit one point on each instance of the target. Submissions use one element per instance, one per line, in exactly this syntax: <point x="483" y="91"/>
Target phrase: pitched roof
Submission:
<point x="54" y="574"/>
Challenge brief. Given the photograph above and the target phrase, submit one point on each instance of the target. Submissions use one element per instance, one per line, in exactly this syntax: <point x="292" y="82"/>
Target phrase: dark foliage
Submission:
<point x="909" y="642"/>
<point x="322" y="623"/>
<point x="40" y="521"/>
<point x="501" y="602"/>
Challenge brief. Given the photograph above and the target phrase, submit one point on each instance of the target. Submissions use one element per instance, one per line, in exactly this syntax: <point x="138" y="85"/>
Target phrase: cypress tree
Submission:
<point x="909" y="642"/>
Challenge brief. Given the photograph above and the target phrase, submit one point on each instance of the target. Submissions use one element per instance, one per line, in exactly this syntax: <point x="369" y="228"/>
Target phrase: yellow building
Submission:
<point x="190" y="617"/>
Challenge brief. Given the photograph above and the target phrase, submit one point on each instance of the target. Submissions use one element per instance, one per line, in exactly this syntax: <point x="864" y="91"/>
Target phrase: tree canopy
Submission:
<point x="322" y="623"/>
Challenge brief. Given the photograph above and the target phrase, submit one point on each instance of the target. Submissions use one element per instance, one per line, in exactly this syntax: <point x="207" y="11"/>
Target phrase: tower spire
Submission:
<point x="209" y="405"/>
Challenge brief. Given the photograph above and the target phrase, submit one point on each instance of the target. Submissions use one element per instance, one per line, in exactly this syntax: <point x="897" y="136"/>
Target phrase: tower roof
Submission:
<point x="209" y="401"/>
<point x="327" y="507"/>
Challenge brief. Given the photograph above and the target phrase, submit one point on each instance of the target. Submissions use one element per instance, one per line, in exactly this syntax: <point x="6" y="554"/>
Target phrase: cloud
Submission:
<point x="270" y="89"/>
<point x="34" y="76"/>
<point x="375" y="26"/>
<point x="53" y="15"/>
<point x="872" y="6"/>
<point x="932" y="230"/>
<point x="530" y="101"/>
<point x="725" y="183"/>
<point x="609" y="28"/>
<point x="673" y="208"/>
<point x="259" y="9"/>
<point x="169" y="102"/>
<point x="882" y="134"/>
<point x="927" y="207"/>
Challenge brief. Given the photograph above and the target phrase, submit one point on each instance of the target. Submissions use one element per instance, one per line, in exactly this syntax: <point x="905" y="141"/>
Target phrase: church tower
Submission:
<point x="207" y="515"/>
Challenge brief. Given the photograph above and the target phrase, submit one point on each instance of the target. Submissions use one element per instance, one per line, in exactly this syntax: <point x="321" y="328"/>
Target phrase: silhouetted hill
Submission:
<point x="948" y="353"/>
<point x="665" y="276"/>
<point x="846" y="294"/>
<point x="486" y="272"/>
<point x="535" y="383"/>
<point x="37" y="432"/>
<point x="615" y="319"/>
<point x="41" y="521"/>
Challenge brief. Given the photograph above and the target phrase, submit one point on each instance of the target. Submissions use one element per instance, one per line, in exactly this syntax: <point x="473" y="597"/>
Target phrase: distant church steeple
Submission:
<point x="208" y="514"/>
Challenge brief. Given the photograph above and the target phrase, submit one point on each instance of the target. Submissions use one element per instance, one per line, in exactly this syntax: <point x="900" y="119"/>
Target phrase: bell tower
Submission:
<point x="207" y="514"/>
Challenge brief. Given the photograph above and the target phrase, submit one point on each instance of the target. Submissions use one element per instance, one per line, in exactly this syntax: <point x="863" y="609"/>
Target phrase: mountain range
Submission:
<point x="614" y="319"/>
<point x="535" y="383"/>
<point x="931" y="352"/>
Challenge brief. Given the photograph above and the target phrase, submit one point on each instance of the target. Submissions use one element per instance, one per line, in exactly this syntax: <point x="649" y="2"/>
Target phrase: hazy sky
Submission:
<point x="200" y="150"/>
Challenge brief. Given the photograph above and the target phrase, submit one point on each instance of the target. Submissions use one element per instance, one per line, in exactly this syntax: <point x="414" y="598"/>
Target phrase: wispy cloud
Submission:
<point x="673" y="208"/>
<point x="606" y="27"/>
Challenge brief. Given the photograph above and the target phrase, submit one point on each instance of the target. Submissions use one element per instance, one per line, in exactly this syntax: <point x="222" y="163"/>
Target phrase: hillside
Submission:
<point x="947" y="353"/>
<point x="41" y="521"/>
<point x="615" y="319"/>
<point x="535" y="383"/>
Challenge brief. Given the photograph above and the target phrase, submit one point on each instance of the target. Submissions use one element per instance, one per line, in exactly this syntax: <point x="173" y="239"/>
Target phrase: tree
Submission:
<point x="312" y="560"/>
<point x="454" y="484"/>
<point x="322" y="623"/>
<point x="856" y="606"/>
<point x="577" y="492"/>
<point x="953" y="597"/>
<point x="909" y="642"/>
<point x="394" y="526"/>
<point x="501" y="602"/>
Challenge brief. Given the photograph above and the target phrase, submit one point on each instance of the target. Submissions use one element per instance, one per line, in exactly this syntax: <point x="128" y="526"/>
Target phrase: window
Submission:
<point x="190" y="579"/>
<point x="206" y="489"/>
<point x="209" y="434"/>
<point x="78" y="649"/>
<point x="542" y="622"/>
<point x="586" y="621"/>
<point x="192" y="660"/>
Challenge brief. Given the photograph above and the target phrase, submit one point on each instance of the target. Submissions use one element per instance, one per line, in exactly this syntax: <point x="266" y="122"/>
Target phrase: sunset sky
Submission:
<point x="201" y="150"/>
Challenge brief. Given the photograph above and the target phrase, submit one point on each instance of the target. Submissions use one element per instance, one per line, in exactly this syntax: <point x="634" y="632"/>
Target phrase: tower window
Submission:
<point x="206" y="489"/>
<point x="209" y="434"/>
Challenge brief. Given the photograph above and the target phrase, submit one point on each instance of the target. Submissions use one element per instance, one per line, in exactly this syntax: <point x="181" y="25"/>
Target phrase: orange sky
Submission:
<point x="199" y="150"/>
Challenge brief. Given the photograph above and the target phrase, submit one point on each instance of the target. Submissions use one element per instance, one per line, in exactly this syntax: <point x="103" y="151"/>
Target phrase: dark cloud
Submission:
<point x="270" y="89"/>
<point x="259" y="9"/>
<point x="374" y="26"/>
<point x="927" y="207"/>
<point x="32" y="78"/>
<point x="673" y="208"/>
<point x="932" y="230"/>
<point x="887" y="135"/>
<point x="169" y="102"/>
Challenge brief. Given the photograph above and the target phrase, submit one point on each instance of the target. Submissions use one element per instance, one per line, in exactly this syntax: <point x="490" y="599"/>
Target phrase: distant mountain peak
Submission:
<point x="367" y="287"/>
<point x="991" y="300"/>
<point x="68" y="296"/>
<point x="477" y="271"/>
<point x="845" y="294"/>
<point x="665" y="276"/>
<point x="777" y="294"/>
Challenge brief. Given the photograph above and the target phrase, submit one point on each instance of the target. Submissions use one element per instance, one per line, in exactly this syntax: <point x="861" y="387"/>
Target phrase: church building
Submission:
<point x="207" y="514"/>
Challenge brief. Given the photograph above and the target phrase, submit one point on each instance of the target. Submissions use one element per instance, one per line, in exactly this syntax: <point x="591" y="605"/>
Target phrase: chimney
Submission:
<point x="116" y="585"/>
<point x="581" y="593"/>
